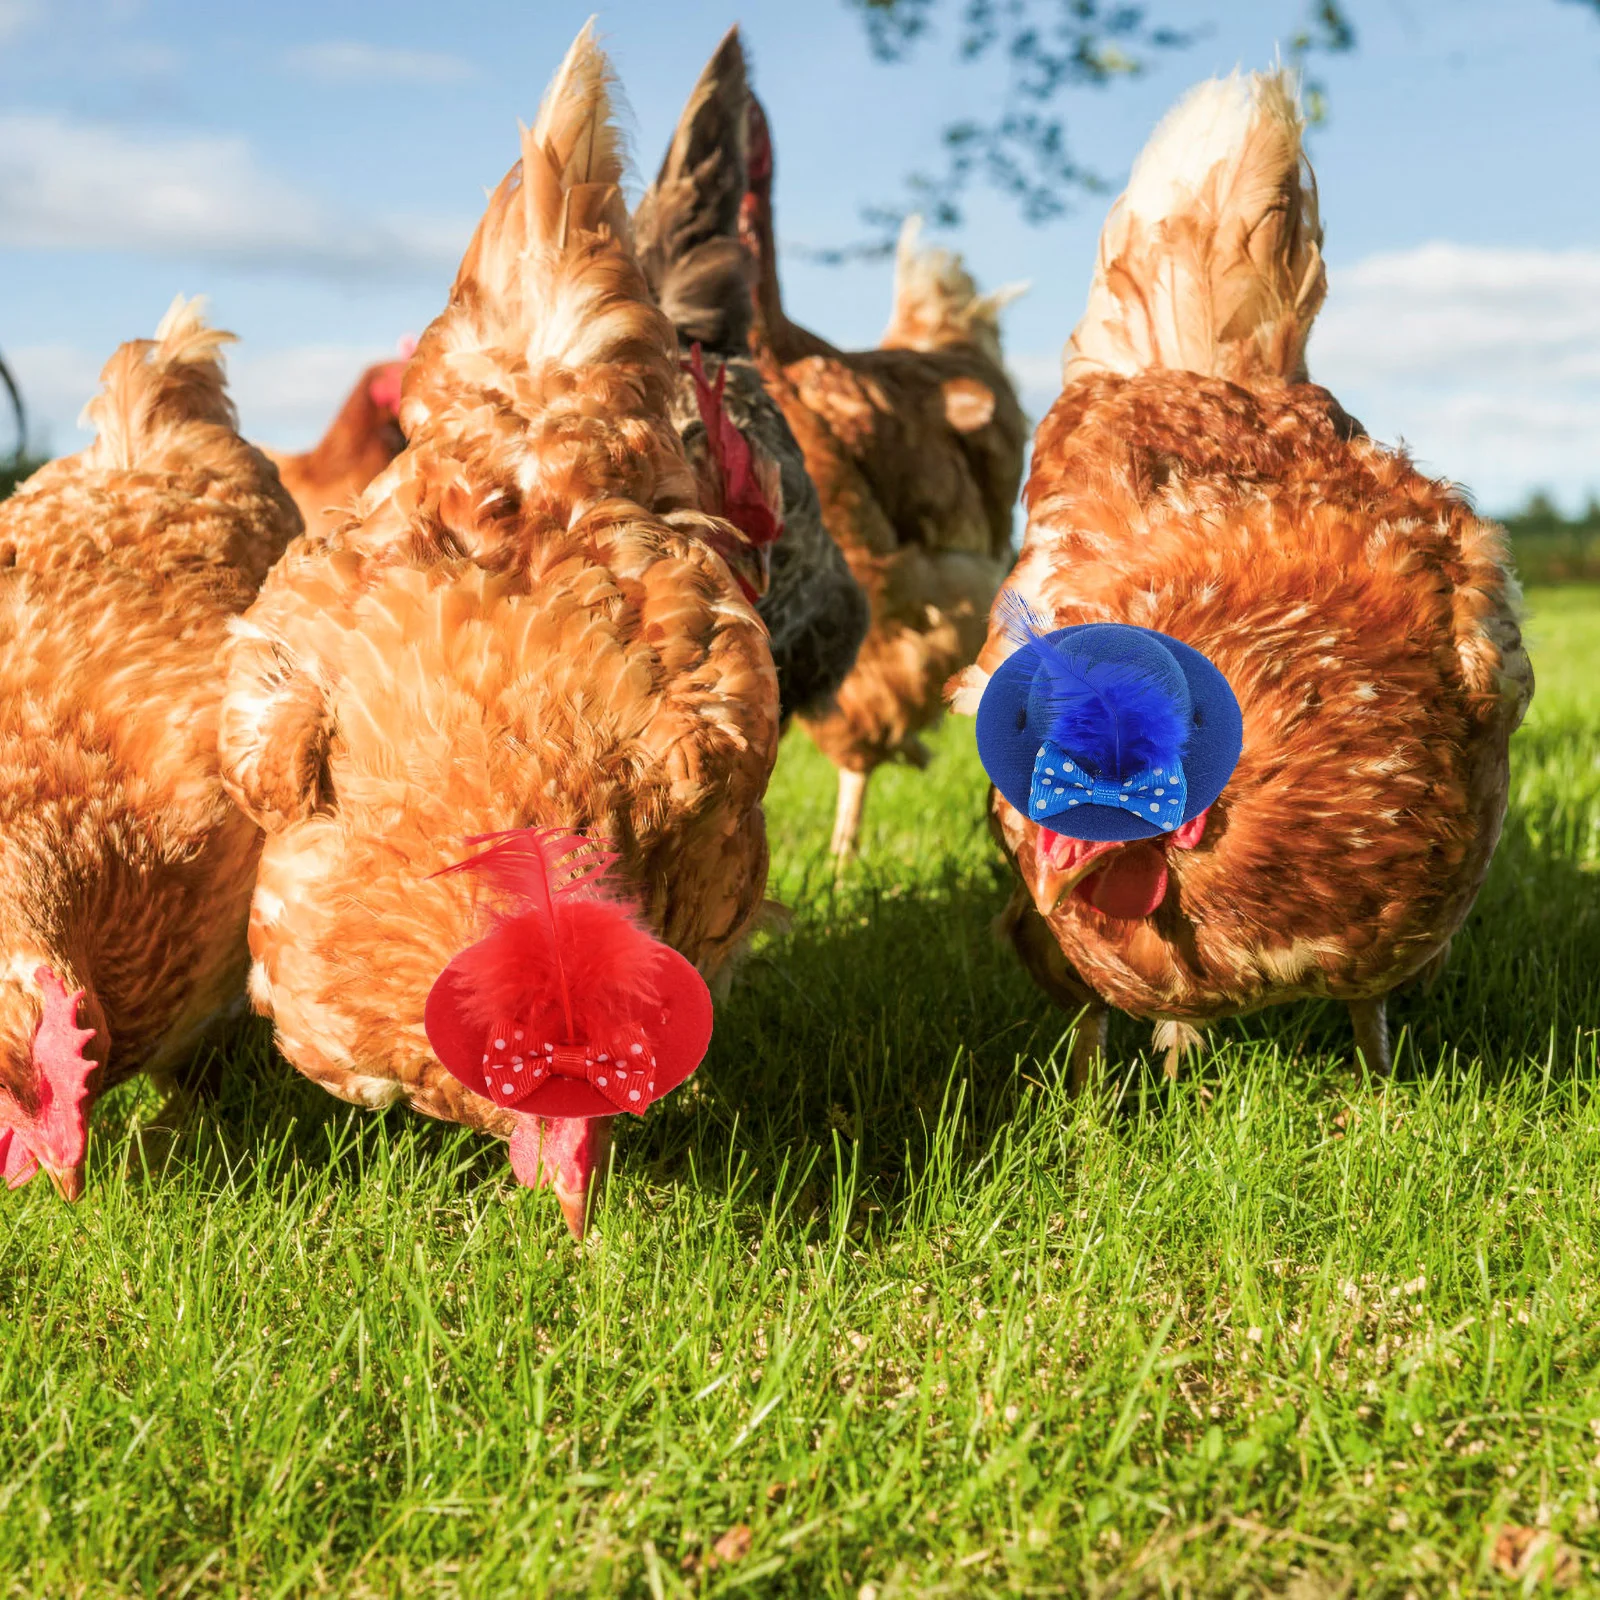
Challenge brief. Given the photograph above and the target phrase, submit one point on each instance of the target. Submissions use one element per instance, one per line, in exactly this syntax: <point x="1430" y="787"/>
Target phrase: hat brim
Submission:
<point x="679" y="1038"/>
<point x="1008" y="748"/>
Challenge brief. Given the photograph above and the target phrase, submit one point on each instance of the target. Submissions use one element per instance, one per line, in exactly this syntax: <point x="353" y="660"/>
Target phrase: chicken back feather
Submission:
<point x="700" y="268"/>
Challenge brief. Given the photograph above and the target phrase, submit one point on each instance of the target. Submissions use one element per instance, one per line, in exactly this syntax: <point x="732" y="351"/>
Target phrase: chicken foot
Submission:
<point x="1177" y="1041"/>
<point x="1370" y="1019"/>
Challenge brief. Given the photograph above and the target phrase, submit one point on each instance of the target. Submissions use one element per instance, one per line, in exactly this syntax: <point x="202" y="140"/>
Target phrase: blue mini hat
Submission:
<point x="1106" y="731"/>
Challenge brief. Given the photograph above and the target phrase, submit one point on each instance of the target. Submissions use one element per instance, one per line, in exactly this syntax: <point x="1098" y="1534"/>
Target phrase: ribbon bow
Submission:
<point x="516" y="1062"/>
<point x="1156" y="796"/>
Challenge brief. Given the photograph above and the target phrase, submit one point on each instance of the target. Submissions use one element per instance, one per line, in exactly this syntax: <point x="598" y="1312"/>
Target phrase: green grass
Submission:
<point x="872" y="1287"/>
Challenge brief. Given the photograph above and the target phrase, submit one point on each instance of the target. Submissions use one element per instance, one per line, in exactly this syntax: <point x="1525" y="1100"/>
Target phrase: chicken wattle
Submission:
<point x="1122" y="880"/>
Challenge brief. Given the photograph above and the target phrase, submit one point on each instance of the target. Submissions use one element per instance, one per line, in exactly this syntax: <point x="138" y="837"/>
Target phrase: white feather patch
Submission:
<point x="963" y="692"/>
<point x="1207" y="126"/>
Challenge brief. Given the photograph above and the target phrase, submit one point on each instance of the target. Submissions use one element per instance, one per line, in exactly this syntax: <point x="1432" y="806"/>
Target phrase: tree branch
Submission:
<point x="1050" y="47"/>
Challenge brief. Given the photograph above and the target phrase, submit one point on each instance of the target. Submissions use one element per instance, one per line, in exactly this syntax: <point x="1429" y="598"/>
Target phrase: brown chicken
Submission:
<point x="125" y="871"/>
<point x="916" y="452"/>
<point x="532" y="624"/>
<point x="687" y="231"/>
<point x="360" y="442"/>
<point x="1191" y="481"/>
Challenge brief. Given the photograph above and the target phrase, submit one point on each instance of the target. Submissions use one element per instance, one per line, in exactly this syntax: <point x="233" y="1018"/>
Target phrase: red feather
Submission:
<point x="561" y="952"/>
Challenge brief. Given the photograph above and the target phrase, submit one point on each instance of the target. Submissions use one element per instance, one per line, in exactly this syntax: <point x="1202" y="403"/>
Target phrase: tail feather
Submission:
<point x="150" y="385"/>
<point x="1211" y="261"/>
<point x="936" y="301"/>
<point x="549" y="270"/>
<point x="686" y="226"/>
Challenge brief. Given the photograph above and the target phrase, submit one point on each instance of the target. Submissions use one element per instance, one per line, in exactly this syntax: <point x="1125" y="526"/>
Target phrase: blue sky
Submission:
<point x="315" y="170"/>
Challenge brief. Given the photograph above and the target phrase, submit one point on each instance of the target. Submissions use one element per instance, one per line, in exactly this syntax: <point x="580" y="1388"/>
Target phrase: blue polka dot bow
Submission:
<point x="1156" y="796"/>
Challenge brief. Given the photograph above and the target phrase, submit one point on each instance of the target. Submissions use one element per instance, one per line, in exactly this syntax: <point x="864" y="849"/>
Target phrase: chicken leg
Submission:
<point x="1177" y="1041"/>
<point x="188" y="1088"/>
<point x="1371" y="1022"/>
<point x="1088" y="1057"/>
<point x="847" y="817"/>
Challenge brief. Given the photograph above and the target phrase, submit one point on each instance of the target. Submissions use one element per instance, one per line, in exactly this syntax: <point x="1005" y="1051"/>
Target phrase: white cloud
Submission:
<point x="1037" y="376"/>
<point x="351" y="61"/>
<point x="56" y="380"/>
<point x="1485" y="362"/>
<point x="286" y="398"/>
<point x="66" y="184"/>
<point x="1450" y="313"/>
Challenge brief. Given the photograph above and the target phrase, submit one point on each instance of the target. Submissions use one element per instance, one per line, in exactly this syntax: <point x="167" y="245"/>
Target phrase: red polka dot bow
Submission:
<point x="516" y="1062"/>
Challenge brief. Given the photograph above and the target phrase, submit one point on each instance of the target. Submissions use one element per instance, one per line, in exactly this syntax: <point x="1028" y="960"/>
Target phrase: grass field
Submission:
<point x="873" y="1309"/>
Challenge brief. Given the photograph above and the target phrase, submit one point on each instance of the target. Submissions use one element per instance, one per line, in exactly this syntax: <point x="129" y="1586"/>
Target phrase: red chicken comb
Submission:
<point x="57" y="1131"/>
<point x="568" y="1007"/>
<point x="744" y="502"/>
<point x="384" y="390"/>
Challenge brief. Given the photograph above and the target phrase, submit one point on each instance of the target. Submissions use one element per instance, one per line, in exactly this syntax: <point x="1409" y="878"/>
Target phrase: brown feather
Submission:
<point x="698" y="266"/>
<point x="1365" y="618"/>
<point x="525" y="628"/>
<point x="123" y="866"/>
<point x="1212" y="260"/>
<point x="916" y="452"/>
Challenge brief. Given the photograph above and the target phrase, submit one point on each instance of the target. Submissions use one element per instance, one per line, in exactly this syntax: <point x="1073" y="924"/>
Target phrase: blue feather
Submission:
<point x="1021" y="623"/>
<point x="1114" y="717"/>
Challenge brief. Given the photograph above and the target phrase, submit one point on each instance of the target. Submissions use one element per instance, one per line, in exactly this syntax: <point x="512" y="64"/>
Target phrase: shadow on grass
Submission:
<point x="269" y="1128"/>
<point x="842" y="1041"/>
<point x="847" y="1045"/>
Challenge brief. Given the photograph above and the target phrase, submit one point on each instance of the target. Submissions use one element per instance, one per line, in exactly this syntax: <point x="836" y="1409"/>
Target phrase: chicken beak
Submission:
<point x="571" y="1155"/>
<point x="1061" y="866"/>
<point x="67" y="1180"/>
<point x="749" y="564"/>
<point x="580" y="1179"/>
<point x="21" y="1164"/>
<point x="752" y="568"/>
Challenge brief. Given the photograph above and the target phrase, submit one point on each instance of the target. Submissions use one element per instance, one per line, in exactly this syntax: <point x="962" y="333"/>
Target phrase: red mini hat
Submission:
<point x="568" y="1007"/>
